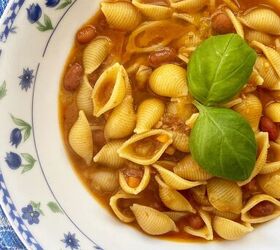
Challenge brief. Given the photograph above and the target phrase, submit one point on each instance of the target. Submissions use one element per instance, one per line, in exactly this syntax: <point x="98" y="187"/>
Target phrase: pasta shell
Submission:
<point x="142" y="76"/>
<point x="148" y="114"/>
<point x="142" y="185"/>
<point x="205" y="232"/>
<point x="190" y="39"/>
<point x="236" y="23"/>
<point x="80" y="138"/>
<point x="152" y="221"/>
<point x="271" y="54"/>
<point x="251" y="109"/>
<point x="270" y="184"/>
<point x="262" y="19"/>
<point x="122" y="120"/>
<point x="188" y="5"/>
<point x="265" y="69"/>
<point x="246" y="216"/>
<point x="224" y="195"/>
<point x="191" y="121"/>
<point x="104" y="180"/>
<point x="273" y="159"/>
<point x="146" y="148"/>
<point x="176" y="216"/>
<point x="109" y="90"/>
<point x="232" y="103"/>
<point x="174" y="181"/>
<point x="84" y="101"/>
<point x="232" y="5"/>
<point x="114" y="200"/>
<point x="228" y="215"/>
<point x="173" y="199"/>
<point x="181" y="108"/>
<point x="199" y="194"/>
<point x="108" y="155"/>
<point x="181" y="141"/>
<point x="188" y="169"/>
<point x="95" y="53"/>
<point x="230" y="230"/>
<point x="169" y="80"/>
<point x="154" y="35"/>
<point x="253" y="35"/>
<point x="121" y="15"/>
<point x="272" y="111"/>
<point x="263" y="145"/>
<point x="153" y="11"/>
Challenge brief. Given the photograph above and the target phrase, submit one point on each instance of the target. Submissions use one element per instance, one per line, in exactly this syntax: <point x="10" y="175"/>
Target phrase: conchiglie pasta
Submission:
<point x="109" y="90"/>
<point x="153" y="11"/>
<point x="154" y="35"/>
<point x="122" y="120"/>
<point x="174" y="181"/>
<point x="152" y="221"/>
<point x="224" y="195"/>
<point x="272" y="111"/>
<point x="271" y="54"/>
<point x="148" y="114"/>
<point x="263" y="145"/>
<point x="142" y="76"/>
<point x="273" y="159"/>
<point x="181" y="107"/>
<point x="146" y="148"/>
<point x="262" y="19"/>
<point x="206" y="231"/>
<point x="262" y="202"/>
<point x="80" y="138"/>
<point x="266" y="71"/>
<point x="188" y="5"/>
<point x="230" y="230"/>
<point x="181" y="141"/>
<point x="253" y="35"/>
<point x="251" y="109"/>
<point x="169" y="80"/>
<point x="110" y="149"/>
<point x="121" y="15"/>
<point x="173" y="199"/>
<point x="104" y="180"/>
<point x="199" y="194"/>
<point x="270" y="184"/>
<point x="214" y="211"/>
<point x="236" y="23"/>
<point x="84" y="101"/>
<point x="95" y="53"/>
<point x="140" y="187"/>
<point x="188" y="169"/>
<point x="114" y="204"/>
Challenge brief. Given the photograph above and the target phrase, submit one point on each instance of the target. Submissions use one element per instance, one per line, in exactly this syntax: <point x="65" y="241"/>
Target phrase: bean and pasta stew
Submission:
<point x="170" y="113"/>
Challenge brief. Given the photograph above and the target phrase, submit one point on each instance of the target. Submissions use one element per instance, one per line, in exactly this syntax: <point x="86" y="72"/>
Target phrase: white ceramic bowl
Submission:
<point x="43" y="198"/>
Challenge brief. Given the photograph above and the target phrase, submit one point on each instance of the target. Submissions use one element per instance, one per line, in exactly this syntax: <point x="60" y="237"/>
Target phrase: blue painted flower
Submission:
<point x="52" y="3"/>
<point x="15" y="137"/>
<point x="34" y="12"/>
<point x="30" y="215"/>
<point x="26" y="79"/>
<point x="71" y="241"/>
<point x="13" y="160"/>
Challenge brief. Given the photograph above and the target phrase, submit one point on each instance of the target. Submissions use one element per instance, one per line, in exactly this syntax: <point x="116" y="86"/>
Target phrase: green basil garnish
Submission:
<point x="219" y="68"/>
<point x="223" y="143"/>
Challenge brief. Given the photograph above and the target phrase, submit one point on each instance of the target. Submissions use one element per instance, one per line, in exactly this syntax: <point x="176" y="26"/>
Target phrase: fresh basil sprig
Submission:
<point x="219" y="68"/>
<point x="223" y="143"/>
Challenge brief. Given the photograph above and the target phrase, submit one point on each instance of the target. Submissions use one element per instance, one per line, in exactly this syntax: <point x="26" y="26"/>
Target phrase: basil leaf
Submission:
<point x="223" y="143"/>
<point x="219" y="68"/>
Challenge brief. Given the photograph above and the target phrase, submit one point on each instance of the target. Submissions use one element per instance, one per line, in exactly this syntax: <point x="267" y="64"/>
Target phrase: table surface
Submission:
<point x="8" y="238"/>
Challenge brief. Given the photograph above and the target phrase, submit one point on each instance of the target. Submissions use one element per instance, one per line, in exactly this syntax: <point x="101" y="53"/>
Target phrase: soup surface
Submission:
<point x="128" y="112"/>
